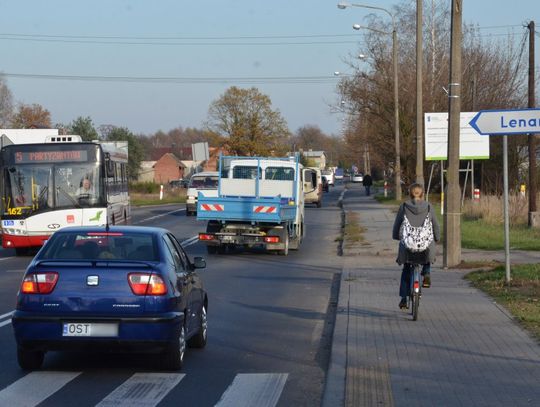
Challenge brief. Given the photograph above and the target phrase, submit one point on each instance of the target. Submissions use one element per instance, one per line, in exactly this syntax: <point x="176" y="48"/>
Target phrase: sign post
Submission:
<point x="505" y="123"/>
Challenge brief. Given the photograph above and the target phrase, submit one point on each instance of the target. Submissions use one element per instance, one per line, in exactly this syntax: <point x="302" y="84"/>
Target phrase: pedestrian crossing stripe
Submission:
<point x="146" y="389"/>
<point x="41" y="385"/>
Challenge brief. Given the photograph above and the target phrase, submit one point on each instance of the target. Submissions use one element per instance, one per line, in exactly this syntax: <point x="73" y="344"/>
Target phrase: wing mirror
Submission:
<point x="199" y="263"/>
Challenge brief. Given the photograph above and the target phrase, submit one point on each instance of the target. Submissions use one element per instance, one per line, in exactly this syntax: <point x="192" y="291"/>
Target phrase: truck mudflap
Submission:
<point x="250" y="209"/>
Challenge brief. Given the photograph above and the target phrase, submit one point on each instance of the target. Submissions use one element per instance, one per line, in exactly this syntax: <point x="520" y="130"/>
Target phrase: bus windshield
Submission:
<point x="43" y="187"/>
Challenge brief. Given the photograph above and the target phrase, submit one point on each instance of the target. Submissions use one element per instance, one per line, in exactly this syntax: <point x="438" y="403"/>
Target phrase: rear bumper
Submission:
<point x="16" y="241"/>
<point x="134" y="333"/>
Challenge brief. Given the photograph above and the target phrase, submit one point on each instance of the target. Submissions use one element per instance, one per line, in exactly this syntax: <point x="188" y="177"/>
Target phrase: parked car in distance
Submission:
<point x="122" y="288"/>
<point x="206" y="180"/>
<point x="338" y="173"/>
<point x="357" y="177"/>
<point x="329" y="176"/>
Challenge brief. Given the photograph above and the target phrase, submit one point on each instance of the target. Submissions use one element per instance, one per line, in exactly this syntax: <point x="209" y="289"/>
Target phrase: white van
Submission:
<point x="313" y="188"/>
<point x="207" y="181"/>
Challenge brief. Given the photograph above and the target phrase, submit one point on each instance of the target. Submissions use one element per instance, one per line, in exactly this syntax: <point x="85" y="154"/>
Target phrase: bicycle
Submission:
<point x="416" y="262"/>
<point x="415" y="290"/>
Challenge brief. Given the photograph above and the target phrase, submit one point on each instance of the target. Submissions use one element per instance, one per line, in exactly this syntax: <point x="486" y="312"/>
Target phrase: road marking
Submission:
<point x="190" y="241"/>
<point x="157" y="216"/>
<point x="35" y="387"/>
<point x="259" y="389"/>
<point x="7" y="258"/>
<point x="142" y="390"/>
<point x="4" y="323"/>
<point x="16" y="271"/>
<point x="7" y="315"/>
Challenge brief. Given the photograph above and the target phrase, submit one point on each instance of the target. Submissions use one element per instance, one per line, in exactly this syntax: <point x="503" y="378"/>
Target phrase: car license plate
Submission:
<point x="227" y="238"/>
<point x="89" y="329"/>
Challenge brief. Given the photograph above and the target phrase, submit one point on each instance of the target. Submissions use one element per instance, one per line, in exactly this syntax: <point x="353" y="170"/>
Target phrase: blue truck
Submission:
<point x="259" y="202"/>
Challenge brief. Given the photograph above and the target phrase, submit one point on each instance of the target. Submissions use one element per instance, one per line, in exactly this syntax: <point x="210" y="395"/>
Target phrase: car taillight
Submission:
<point x="206" y="236"/>
<point x="271" y="239"/>
<point x="39" y="283"/>
<point x="146" y="284"/>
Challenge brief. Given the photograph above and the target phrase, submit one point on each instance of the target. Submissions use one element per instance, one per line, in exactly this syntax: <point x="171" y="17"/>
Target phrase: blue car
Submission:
<point x="119" y="288"/>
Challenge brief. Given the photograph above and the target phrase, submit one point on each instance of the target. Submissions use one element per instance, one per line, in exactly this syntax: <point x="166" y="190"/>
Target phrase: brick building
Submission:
<point x="167" y="168"/>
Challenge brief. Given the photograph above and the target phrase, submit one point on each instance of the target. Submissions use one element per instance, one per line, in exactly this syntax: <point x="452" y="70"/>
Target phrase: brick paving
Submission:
<point x="464" y="350"/>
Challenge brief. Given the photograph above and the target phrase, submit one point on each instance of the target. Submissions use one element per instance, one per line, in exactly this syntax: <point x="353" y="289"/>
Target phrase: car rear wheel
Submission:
<point x="199" y="340"/>
<point x="173" y="357"/>
<point x="29" y="359"/>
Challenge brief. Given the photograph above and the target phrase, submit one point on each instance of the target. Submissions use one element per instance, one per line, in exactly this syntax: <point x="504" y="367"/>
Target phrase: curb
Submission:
<point x="334" y="388"/>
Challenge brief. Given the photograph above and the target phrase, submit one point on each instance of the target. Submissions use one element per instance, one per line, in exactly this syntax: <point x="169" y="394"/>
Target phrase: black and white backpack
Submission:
<point x="416" y="238"/>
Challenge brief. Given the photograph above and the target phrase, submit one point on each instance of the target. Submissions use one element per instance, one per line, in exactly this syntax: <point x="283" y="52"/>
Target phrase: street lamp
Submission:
<point x="397" y="165"/>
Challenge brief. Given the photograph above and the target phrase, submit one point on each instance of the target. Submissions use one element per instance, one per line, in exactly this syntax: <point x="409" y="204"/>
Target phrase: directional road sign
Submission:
<point x="506" y="122"/>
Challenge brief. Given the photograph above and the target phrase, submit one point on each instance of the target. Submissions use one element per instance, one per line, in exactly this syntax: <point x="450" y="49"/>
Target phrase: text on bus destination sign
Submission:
<point x="25" y="157"/>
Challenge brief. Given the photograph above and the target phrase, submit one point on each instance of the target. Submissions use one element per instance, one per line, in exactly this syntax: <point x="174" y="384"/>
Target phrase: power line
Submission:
<point x="182" y="80"/>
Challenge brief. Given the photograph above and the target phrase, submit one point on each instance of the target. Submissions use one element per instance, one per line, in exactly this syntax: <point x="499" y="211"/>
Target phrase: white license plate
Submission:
<point x="89" y="329"/>
<point x="227" y="238"/>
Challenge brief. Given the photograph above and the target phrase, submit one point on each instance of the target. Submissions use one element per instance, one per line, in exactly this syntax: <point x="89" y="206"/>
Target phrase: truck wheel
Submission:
<point x="285" y="251"/>
<point x="319" y="203"/>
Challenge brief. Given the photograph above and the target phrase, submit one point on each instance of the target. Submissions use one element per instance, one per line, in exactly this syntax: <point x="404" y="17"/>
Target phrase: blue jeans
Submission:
<point x="406" y="274"/>
<point x="368" y="189"/>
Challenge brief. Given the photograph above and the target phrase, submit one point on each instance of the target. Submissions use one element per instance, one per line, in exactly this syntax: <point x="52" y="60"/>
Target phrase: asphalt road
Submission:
<point x="270" y="320"/>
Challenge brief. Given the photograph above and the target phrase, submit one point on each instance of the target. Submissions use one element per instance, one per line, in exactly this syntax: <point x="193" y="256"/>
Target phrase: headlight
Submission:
<point x="191" y="198"/>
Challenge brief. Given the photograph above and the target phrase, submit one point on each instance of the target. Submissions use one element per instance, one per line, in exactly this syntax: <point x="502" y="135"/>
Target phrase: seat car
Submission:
<point x="206" y="180"/>
<point x="121" y="288"/>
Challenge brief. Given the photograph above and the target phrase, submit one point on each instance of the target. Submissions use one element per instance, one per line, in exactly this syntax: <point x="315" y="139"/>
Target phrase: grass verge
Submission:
<point x="353" y="232"/>
<point x="521" y="296"/>
<point x="153" y="199"/>
<point x="478" y="234"/>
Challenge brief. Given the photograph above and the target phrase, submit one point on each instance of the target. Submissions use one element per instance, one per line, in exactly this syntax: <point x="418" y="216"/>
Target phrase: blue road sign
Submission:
<point x="506" y="122"/>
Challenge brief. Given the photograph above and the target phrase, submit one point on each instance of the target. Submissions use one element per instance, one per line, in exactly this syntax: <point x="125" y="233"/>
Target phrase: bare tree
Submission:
<point x="6" y="104"/>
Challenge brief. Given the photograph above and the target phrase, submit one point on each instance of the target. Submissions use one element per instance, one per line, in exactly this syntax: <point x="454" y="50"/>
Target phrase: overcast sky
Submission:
<point x="197" y="49"/>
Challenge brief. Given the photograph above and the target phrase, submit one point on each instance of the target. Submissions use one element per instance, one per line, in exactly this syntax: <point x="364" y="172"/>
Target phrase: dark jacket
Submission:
<point x="367" y="181"/>
<point x="416" y="212"/>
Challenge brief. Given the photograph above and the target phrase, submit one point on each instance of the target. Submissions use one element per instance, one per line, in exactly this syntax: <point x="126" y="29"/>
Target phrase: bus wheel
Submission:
<point x="21" y="251"/>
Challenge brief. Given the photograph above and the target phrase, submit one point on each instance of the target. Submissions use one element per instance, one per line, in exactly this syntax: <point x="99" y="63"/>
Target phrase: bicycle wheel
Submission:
<point x="415" y="299"/>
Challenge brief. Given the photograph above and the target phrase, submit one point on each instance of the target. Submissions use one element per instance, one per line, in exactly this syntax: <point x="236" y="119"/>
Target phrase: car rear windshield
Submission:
<point x="210" y="182"/>
<point x="100" y="246"/>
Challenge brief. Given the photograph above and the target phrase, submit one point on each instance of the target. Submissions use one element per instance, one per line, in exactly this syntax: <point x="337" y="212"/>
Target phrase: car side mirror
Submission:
<point x="199" y="263"/>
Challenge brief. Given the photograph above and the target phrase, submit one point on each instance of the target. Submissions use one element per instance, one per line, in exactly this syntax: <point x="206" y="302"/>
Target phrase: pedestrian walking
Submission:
<point x="367" y="182"/>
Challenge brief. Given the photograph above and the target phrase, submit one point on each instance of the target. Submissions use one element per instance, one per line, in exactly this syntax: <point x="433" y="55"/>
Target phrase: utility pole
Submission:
<point x="533" y="214"/>
<point x="397" y="164"/>
<point x="419" y="104"/>
<point x="452" y="203"/>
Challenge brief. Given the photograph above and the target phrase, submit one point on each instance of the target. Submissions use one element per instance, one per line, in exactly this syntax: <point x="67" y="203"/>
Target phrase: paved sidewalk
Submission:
<point x="464" y="350"/>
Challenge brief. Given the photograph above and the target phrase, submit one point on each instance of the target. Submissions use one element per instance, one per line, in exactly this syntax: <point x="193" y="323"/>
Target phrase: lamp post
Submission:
<point x="397" y="165"/>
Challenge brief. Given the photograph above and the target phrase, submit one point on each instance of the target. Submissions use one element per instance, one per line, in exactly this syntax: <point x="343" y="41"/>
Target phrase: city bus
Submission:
<point x="50" y="185"/>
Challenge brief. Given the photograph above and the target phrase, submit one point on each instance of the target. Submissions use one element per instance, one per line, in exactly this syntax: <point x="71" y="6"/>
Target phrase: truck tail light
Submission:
<point x="206" y="236"/>
<point x="271" y="239"/>
<point x="39" y="283"/>
<point x="146" y="284"/>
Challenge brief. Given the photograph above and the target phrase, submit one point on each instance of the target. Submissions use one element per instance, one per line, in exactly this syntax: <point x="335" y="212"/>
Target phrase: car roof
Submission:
<point x="123" y="229"/>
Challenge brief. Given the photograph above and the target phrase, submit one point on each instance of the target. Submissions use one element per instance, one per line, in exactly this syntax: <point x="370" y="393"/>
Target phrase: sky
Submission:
<point x="190" y="52"/>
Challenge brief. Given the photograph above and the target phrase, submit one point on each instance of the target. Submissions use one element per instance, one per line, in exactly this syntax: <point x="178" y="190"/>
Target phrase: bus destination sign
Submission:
<point x="28" y="157"/>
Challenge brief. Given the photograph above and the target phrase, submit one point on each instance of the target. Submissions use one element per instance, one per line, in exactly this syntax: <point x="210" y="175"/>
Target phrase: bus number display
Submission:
<point x="28" y="157"/>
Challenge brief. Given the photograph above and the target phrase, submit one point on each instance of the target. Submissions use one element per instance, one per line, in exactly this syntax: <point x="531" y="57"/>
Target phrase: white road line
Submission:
<point x="4" y="323"/>
<point x="35" y="387"/>
<point x="16" y="271"/>
<point x="142" y="390"/>
<point x="259" y="389"/>
<point x="7" y="258"/>
<point x="190" y="241"/>
<point x="157" y="216"/>
<point x="7" y="315"/>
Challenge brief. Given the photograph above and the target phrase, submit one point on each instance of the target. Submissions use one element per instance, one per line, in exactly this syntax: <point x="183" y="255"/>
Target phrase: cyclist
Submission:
<point x="416" y="210"/>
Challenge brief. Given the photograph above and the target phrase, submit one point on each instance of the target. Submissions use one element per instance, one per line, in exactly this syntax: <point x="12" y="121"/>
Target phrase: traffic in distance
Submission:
<point x="96" y="287"/>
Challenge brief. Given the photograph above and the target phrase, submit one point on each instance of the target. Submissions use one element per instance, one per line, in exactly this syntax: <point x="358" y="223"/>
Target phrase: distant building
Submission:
<point x="167" y="168"/>
<point x="318" y="157"/>
<point x="146" y="172"/>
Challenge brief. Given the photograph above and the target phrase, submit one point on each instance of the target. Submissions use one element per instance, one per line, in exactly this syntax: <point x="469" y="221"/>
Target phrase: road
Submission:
<point x="270" y="323"/>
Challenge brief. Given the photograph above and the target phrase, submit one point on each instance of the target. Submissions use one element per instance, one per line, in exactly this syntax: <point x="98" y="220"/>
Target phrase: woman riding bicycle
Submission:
<point x="415" y="211"/>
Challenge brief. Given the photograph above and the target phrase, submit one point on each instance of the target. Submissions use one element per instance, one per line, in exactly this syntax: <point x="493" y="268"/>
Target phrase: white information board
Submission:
<point x="472" y="146"/>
